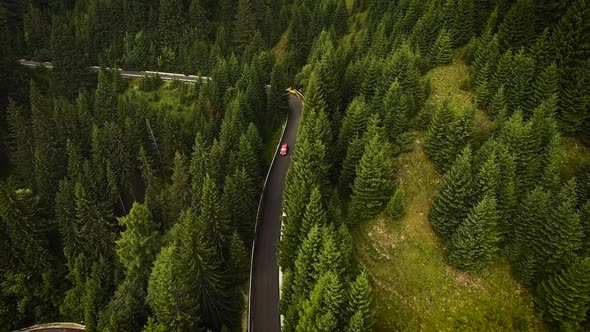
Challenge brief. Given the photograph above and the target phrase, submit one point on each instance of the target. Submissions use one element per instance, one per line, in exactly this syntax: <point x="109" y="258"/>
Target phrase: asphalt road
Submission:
<point x="129" y="73"/>
<point x="264" y="291"/>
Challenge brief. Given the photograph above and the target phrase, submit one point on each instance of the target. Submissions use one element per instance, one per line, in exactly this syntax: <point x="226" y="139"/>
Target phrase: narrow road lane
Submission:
<point x="264" y="286"/>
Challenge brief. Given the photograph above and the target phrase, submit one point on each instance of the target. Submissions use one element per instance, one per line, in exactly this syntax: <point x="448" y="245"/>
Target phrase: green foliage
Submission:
<point x="452" y="202"/>
<point x="239" y="257"/>
<point x="321" y="311"/>
<point x="396" y="207"/>
<point x="127" y="310"/>
<point x="565" y="296"/>
<point x="441" y="51"/>
<point x="359" y="303"/>
<point x="518" y="27"/>
<point x="139" y="243"/>
<point x="475" y="242"/>
<point x="373" y="183"/>
<point x="240" y="198"/>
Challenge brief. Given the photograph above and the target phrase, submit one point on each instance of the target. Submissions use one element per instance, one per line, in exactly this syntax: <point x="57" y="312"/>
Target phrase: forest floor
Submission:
<point x="167" y="96"/>
<point x="414" y="288"/>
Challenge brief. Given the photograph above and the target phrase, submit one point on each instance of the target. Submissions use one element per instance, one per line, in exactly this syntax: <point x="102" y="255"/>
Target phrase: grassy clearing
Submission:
<point x="414" y="288"/>
<point x="167" y="96"/>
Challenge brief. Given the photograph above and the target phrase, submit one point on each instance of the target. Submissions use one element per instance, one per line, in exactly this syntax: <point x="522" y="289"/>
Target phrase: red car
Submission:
<point x="284" y="149"/>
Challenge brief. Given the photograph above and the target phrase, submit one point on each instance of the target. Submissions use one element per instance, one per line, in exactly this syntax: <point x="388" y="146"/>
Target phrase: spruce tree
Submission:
<point x="239" y="258"/>
<point x="465" y="24"/>
<point x="240" y="198"/>
<point x="437" y="139"/>
<point x="452" y="202"/>
<point x="198" y="169"/>
<point x="518" y="27"/>
<point x="475" y="241"/>
<point x="560" y="235"/>
<point x="21" y="141"/>
<point x="518" y="87"/>
<point x="359" y="300"/>
<point x="353" y="125"/>
<point x="564" y="297"/>
<point x="213" y="218"/>
<point x="486" y="180"/>
<point x="244" y="25"/>
<point x="321" y="311"/>
<point x="396" y="207"/>
<point x="139" y="243"/>
<point x="546" y="84"/>
<point x="585" y="223"/>
<point x="373" y="183"/>
<point x="315" y="213"/>
<point x="397" y="111"/>
<point x="498" y="102"/>
<point x="179" y="192"/>
<point x="442" y="49"/>
<point x="522" y="245"/>
<point x="170" y="23"/>
<point x="505" y="191"/>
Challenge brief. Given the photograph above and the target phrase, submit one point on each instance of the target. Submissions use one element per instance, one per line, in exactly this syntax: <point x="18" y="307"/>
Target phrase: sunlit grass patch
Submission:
<point x="415" y="289"/>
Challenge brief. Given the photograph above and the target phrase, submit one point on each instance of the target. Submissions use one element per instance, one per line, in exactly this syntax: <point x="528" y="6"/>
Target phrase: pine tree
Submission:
<point x="105" y="99"/>
<point x="170" y="23"/>
<point x="354" y="154"/>
<point x="564" y="297"/>
<point x="486" y="181"/>
<point x="198" y="19"/>
<point x="139" y="243"/>
<point x="178" y="197"/>
<point x="167" y="296"/>
<point x="585" y="223"/>
<point x="359" y="300"/>
<point x="373" y="183"/>
<point x="437" y="139"/>
<point x="396" y="207"/>
<point x="530" y="216"/>
<point x="518" y="27"/>
<point x="569" y="43"/>
<point x="544" y="86"/>
<point x="21" y="141"/>
<point x="214" y="219"/>
<point x="475" y="241"/>
<point x="97" y="236"/>
<point x="465" y="25"/>
<point x="198" y="169"/>
<point x="560" y="235"/>
<point x="321" y="312"/>
<point x="239" y="258"/>
<point x="452" y="202"/>
<point x="498" y="102"/>
<point x="240" y="198"/>
<point x="244" y="25"/>
<point x="518" y="88"/>
<point x="315" y="213"/>
<point x="353" y="125"/>
<point x="505" y="191"/>
<point x="442" y="49"/>
<point x="127" y="310"/>
<point x="397" y="111"/>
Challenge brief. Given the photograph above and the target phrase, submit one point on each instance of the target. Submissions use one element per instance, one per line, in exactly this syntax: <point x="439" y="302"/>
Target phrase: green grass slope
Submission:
<point x="414" y="288"/>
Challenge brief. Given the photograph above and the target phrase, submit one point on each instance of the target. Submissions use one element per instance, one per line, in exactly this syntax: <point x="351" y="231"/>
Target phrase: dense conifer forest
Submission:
<point x="130" y="204"/>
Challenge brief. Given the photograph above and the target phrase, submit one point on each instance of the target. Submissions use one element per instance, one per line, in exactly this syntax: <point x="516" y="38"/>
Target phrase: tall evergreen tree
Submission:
<point x="518" y="27"/>
<point x="373" y="183"/>
<point x="139" y="243"/>
<point x="475" y="241"/>
<point x="565" y="296"/>
<point x="452" y="202"/>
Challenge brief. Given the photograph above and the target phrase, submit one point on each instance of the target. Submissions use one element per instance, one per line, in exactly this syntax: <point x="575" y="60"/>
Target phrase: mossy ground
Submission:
<point x="414" y="288"/>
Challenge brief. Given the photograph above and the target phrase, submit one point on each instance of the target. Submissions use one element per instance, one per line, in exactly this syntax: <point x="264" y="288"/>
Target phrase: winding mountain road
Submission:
<point x="264" y="313"/>
<point x="263" y="301"/>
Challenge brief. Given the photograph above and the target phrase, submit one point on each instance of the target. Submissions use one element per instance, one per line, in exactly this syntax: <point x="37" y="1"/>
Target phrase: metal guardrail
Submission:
<point x="56" y="327"/>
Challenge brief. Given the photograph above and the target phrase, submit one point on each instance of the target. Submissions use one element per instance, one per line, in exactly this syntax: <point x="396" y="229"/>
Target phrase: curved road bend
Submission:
<point x="264" y="292"/>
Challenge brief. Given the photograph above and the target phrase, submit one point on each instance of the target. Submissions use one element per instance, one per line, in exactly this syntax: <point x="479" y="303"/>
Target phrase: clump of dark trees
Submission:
<point x="80" y="157"/>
